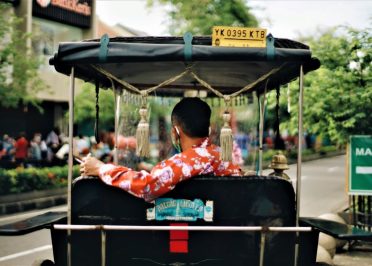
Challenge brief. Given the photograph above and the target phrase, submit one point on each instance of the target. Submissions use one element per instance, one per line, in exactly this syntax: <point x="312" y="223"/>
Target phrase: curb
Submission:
<point x="21" y="202"/>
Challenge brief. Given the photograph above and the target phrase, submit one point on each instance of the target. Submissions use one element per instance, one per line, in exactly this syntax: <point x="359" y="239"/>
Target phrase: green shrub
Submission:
<point x="291" y="155"/>
<point x="29" y="179"/>
<point x="305" y="152"/>
<point x="326" y="149"/>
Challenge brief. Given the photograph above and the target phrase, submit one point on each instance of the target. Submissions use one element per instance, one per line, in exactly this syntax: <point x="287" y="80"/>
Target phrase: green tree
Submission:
<point x="338" y="96"/>
<point x="199" y="16"/>
<point x="19" y="79"/>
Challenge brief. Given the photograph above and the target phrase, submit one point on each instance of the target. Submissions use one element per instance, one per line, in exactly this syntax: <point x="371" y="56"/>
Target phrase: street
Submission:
<point x="323" y="185"/>
<point x="323" y="191"/>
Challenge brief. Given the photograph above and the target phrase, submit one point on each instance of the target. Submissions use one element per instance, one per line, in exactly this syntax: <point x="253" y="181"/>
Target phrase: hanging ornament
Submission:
<point x="226" y="137"/>
<point x="143" y="131"/>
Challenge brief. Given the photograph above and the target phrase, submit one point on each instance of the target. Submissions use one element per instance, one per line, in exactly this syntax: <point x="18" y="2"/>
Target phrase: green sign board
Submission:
<point x="360" y="165"/>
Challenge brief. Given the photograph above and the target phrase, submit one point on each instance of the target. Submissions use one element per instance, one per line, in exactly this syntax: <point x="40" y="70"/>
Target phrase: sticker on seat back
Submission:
<point x="180" y="210"/>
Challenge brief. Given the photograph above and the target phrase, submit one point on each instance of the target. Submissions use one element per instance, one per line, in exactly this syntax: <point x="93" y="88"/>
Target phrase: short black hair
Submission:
<point x="193" y="116"/>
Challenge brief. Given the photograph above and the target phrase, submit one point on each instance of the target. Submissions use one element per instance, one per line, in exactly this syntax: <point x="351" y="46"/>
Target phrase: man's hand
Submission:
<point x="90" y="166"/>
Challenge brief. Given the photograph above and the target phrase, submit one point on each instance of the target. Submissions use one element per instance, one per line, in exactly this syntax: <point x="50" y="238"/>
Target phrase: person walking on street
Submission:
<point x="21" y="149"/>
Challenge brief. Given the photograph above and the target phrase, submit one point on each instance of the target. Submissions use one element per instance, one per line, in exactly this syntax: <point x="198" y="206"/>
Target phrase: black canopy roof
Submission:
<point x="148" y="61"/>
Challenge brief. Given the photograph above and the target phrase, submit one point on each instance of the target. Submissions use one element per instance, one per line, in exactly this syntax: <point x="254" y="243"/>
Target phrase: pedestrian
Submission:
<point x="21" y="149"/>
<point x="35" y="147"/>
<point x="53" y="141"/>
<point x="8" y="145"/>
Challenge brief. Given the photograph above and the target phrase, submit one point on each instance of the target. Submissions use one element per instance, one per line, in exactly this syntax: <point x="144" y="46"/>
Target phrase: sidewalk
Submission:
<point x="359" y="255"/>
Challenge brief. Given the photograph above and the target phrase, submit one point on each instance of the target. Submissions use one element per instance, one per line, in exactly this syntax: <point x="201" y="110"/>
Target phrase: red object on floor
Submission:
<point x="178" y="240"/>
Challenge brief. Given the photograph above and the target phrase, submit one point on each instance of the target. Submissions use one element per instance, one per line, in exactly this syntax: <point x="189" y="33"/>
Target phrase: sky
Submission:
<point x="284" y="19"/>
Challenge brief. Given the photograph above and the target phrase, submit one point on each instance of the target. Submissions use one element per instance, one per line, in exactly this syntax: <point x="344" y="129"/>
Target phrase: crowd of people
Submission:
<point x="48" y="151"/>
<point x="20" y="150"/>
<point x="54" y="148"/>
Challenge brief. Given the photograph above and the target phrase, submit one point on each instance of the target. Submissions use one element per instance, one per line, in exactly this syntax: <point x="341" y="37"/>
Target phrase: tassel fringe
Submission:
<point x="142" y="135"/>
<point x="226" y="139"/>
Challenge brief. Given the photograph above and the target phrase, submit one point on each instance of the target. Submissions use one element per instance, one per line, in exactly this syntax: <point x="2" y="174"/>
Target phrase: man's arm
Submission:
<point x="163" y="177"/>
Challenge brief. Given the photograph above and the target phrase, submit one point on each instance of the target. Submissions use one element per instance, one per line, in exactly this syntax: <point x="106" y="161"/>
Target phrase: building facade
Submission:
<point x="50" y="22"/>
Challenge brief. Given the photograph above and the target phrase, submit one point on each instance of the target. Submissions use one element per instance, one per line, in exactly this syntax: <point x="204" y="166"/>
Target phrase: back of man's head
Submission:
<point x="193" y="116"/>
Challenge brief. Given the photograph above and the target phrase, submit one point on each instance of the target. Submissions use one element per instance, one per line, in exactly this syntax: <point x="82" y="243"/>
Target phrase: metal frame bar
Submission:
<point x="117" y="116"/>
<point x="70" y="159"/>
<point x="299" y="157"/>
<point x="103" y="247"/>
<point x="103" y="228"/>
<point x="260" y="135"/>
<point x="262" y="105"/>
<point x="181" y="228"/>
<point x="262" y="102"/>
<point x="262" y="248"/>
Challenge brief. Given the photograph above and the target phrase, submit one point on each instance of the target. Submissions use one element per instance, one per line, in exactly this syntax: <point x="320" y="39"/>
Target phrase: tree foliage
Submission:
<point x="338" y="96"/>
<point x="199" y="16"/>
<point x="19" y="80"/>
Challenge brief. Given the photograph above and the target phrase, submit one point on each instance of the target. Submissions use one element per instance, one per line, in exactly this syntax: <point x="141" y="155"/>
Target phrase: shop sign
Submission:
<point x="73" y="12"/>
<point x="360" y="165"/>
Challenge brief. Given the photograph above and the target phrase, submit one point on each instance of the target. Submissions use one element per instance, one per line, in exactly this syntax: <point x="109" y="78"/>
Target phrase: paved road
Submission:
<point x="24" y="250"/>
<point x="323" y="186"/>
<point x="323" y="190"/>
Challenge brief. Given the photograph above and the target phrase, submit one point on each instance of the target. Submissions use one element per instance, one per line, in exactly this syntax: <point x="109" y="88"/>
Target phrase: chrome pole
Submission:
<point x="117" y="116"/>
<point x="103" y="247"/>
<point x="85" y="227"/>
<point x="262" y="101"/>
<point x="299" y="159"/>
<point x="262" y="248"/>
<point x="70" y="160"/>
<point x="260" y="135"/>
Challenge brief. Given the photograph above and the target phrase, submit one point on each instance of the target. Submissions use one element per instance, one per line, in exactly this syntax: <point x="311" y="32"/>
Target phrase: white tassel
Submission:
<point x="226" y="139"/>
<point x="142" y="135"/>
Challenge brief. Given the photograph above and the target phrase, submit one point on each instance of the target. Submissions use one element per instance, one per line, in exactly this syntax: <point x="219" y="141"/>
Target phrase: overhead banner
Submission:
<point x="360" y="165"/>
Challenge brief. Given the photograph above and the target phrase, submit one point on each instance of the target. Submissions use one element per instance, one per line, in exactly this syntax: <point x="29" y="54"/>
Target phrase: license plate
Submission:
<point x="238" y="37"/>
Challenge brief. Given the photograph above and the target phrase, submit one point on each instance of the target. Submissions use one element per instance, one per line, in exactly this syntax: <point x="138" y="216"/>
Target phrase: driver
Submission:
<point x="196" y="156"/>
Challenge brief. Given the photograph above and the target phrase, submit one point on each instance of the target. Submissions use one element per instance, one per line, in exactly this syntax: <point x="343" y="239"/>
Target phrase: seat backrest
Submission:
<point x="238" y="201"/>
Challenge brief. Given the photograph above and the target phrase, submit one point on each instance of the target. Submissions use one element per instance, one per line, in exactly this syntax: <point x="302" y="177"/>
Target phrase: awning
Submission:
<point x="148" y="61"/>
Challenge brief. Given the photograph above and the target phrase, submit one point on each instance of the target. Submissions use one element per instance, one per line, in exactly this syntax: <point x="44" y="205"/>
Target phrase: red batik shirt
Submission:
<point x="203" y="159"/>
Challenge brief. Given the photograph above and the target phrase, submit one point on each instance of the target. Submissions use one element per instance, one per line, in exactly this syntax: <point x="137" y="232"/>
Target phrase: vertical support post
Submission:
<point x="361" y="211"/>
<point x="103" y="247"/>
<point x="354" y="211"/>
<point x="299" y="159"/>
<point x="117" y="116"/>
<point x="262" y="247"/>
<point x="261" y="129"/>
<point x="369" y="212"/>
<point x="70" y="159"/>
